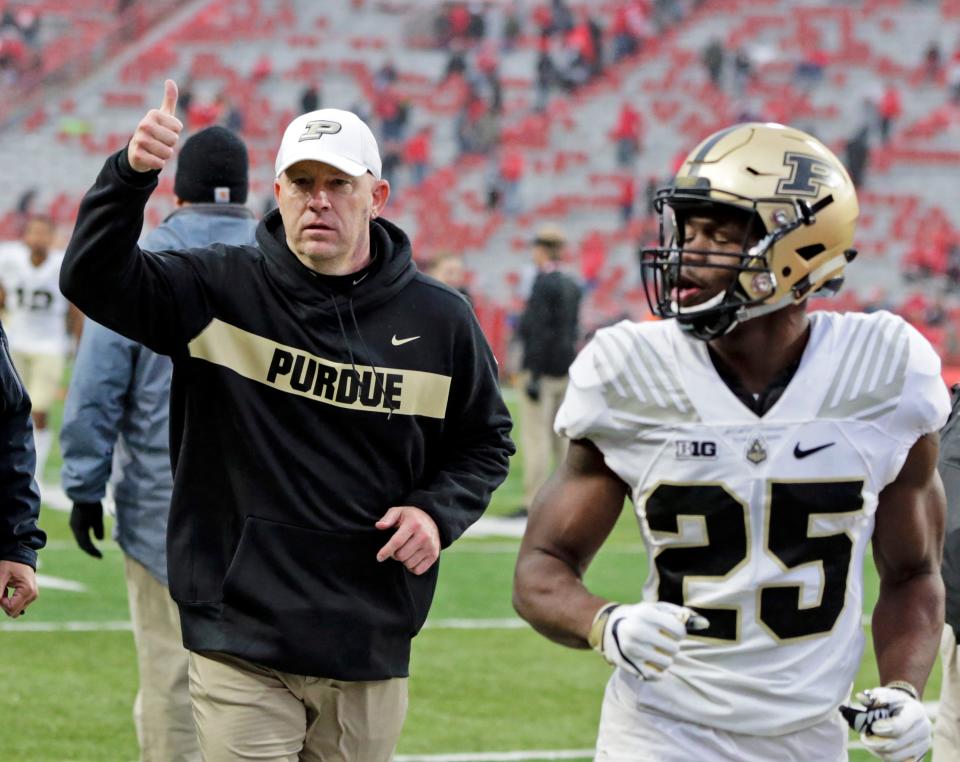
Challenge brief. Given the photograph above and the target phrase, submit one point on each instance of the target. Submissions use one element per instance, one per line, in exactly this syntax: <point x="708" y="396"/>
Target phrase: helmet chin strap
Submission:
<point x="747" y="313"/>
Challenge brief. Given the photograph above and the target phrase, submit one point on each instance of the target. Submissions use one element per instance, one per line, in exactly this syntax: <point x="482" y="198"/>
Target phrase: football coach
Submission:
<point x="335" y="421"/>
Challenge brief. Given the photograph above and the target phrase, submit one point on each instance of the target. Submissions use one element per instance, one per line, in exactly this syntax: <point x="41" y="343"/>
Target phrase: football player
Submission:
<point x="763" y="448"/>
<point x="41" y="325"/>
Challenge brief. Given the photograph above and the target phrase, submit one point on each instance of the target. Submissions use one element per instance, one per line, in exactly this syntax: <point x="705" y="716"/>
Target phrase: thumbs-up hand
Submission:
<point x="151" y="146"/>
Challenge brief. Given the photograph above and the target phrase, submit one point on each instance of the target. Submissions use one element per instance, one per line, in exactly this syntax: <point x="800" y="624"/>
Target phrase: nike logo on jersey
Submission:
<point x="400" y="342"/>
<point x="799" y="452"/>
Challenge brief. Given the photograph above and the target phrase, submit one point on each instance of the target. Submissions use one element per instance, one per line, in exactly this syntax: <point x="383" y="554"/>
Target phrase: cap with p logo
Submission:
<point x="331" y="136"/>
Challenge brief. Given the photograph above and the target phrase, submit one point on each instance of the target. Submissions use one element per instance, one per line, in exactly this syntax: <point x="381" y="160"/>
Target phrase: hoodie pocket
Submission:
<point x="314" y="589"/>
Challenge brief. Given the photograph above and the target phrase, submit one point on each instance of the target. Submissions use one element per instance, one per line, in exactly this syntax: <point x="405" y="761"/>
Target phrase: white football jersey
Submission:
<point x="760" y="523"/>
<point x="36" y="311"/>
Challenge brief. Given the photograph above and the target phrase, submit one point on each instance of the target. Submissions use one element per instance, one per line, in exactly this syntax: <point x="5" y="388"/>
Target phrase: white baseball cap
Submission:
<point x="332" y="136"/>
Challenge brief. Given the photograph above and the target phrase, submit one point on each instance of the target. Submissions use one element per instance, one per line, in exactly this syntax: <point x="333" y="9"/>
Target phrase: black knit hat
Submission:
<point x="212" y="168"/>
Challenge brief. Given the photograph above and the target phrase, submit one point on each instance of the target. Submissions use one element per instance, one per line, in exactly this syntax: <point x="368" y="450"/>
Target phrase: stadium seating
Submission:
<point x="262" y="53"/>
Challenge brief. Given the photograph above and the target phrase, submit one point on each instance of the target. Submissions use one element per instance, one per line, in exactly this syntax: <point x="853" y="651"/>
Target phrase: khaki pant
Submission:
<point x="245" y="711"/>
<point x="946" y="731"/>
<point x="542" y="449"/>
<point x="161" y="712"/>
<point x="41" y="375"/>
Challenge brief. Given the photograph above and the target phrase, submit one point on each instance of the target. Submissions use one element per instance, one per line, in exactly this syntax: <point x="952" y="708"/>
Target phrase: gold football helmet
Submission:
<point x="799" y="207"/>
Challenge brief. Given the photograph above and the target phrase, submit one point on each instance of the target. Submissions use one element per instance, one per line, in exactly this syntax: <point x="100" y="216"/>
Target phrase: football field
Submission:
<point x="484" y="686"/>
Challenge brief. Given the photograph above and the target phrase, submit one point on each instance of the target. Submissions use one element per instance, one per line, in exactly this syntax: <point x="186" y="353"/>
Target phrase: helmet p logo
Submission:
<point x="318" y="128"/>
<point x="807" y="175"/>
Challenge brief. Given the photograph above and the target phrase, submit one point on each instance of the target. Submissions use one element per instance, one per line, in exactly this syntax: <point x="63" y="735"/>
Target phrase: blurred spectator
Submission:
<point x="627" y="29"/>
<point x="742" y="71"/>
<point x="262" y="69"/>
<point x="543" y="19"/>
<point x="561" y="17"/>
<point x="546" y="75"/>
<point x="477" y="23"/>
<point x="185" y="101"/>
<point x="628" y="197"/>
<point x="203" y="114"/>
<point x="650" y="195"/>
<point x="712" y="57"/>
<point x="417" y="155"/>
<point x="595" y="32"/>
<point x="512" y="167"/>
<point x="888" y="110"/>
<point x="309" y="99"/>
<point x="458" y="21"/>
<point x="448" y="268"/>
<point x="477" y="127"/>
<point x="857" y="155"/>
<point x="27" y="20"/>
<point x="384" y="76"/>
<point x="593" y="257"/>
<point x="229" y="114"/>
<point x="456" y="61"/>
<point x="933" y="62"/>
<point x="628" y="133"/>
<point x="512" y="27"/>
<point x="491" y="182"/>
<point x="548" y="331"/>
<point x="809" y="69"/>
<point x="391" y="161"/>
<point x="666" y="13"/>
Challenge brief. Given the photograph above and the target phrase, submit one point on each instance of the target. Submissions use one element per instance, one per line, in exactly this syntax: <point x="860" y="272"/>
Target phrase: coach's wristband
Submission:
<point x="903" y="685"/>
<point x="595" y="638"/>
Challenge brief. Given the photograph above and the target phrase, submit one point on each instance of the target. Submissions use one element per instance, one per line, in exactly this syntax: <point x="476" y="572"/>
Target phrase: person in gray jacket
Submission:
<point x="116" y="425"/>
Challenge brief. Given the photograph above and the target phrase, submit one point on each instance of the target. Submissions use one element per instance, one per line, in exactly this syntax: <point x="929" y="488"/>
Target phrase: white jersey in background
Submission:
<point x="760" y="523"/>
<point x="36" y="311"/>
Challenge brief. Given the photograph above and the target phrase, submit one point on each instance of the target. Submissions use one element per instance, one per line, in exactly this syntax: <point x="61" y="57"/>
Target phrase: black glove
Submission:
<point x="533" y="389"/>
<point x="83" y="518"/>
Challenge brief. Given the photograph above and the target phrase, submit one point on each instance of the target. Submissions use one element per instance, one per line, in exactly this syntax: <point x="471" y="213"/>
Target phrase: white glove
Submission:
<point x="893" y="725"/>
<point x="643" y="638"/>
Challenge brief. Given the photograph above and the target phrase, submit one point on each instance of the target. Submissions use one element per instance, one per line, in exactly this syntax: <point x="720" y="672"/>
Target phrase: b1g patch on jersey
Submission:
<point x="695" y="449"/>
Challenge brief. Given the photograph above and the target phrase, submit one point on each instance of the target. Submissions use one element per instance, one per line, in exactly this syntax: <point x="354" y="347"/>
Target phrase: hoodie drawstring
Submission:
<point x="353" y="364"/>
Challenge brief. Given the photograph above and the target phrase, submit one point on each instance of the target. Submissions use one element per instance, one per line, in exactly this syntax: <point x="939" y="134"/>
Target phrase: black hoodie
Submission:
<point x="300" y="413"/>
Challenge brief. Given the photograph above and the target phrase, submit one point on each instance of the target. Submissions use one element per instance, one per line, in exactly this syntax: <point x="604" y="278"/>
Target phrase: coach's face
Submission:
<point x="326" y="215"/>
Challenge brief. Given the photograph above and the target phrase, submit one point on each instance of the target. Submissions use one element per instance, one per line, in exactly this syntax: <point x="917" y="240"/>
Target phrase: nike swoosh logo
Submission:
<point x="798" y="452"/>
<point x="400" y="342"/>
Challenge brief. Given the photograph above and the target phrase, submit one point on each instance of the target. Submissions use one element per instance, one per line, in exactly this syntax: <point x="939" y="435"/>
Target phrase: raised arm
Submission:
<point x="153" y="298"/>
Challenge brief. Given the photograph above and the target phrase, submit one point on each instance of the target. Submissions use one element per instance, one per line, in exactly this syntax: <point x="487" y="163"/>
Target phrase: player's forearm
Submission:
<point x="552" y="598"/>
<point x="907" y="624"/>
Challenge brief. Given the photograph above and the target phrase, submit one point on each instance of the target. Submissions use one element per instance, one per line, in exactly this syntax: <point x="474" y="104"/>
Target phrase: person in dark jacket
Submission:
<point x="119" y="401"/>
<point x="548" y="332"/>
<point x="335" y="421"/>
<point x="946" y="731"/>
<point x="20" y="537"/>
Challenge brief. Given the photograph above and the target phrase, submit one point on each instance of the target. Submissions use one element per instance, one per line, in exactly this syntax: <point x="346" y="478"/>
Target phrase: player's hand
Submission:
<point x="893" y="725"/>
<point x="644" y="638"/>
<point x="416" y="543"/>
<point x="151" y="146"/>
<point x="83" y="518"/>
<point x="23" y="580"/>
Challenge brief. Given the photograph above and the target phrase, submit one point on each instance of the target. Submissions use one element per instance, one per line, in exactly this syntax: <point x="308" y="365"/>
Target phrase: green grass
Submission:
<point x="68" y="695"/>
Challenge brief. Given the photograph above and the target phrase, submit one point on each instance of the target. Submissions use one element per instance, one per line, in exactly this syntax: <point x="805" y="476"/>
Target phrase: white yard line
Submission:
<point x="46" y="582"/>
<point x="499" y="756"/>
<point x="23" y="625"/>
